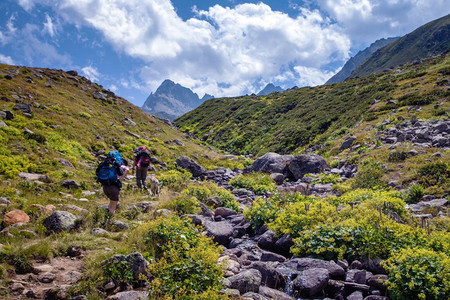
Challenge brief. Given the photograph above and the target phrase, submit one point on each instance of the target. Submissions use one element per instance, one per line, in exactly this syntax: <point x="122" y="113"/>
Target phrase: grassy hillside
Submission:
<point x="430" y="39"/>
<point x="291" y="121"/>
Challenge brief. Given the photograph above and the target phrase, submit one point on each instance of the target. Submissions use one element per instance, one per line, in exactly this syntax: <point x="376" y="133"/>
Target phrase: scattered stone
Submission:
<point x="224" y="212"/>
<point x="5" y="200"/>
<point x="15" y="216"/>
<point x="305" y="263"/>
<point x="23" y="107"/>
<point x="99" y="95"/>
<point x="347" y="143"/>
<point x="6" y="115"/>
<point x="278" y="178"/>
<point x="46" y="277"/>
<point x="3" y="124"/>
<point x="304" y="164"/>
<point x="356" y="264"/>
<point x="357" y="295"/>
<point x="60" y="221"/>
<point x="271" y="163"/>
<point x="311" y="281"/>
<point x="191" y="165"/>
<point x="274" y="294"/>
<point x="136" y="263"/>
<point x="219" y="231"/>
<point x="98" y="231"/>
<point x="33" y="177"/>
<point x="378" y="281"/>
<point x="246" y="281"/>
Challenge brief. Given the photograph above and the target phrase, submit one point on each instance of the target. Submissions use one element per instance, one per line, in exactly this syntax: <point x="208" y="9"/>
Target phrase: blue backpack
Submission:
<point x="109" y="170"/>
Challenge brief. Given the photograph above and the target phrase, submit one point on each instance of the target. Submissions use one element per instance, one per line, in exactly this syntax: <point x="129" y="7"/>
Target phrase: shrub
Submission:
<point x="118" y="271"/>
<point x="261" y="212"/>
<point x="175" y="179"/>
<point x="185" y="261"/>
<point x="414" y="193"/>
<point x="418" y="274"/>
<point x="434" y="173"/>
<point x="257" y="182"/>
<point x="397" y="156"/>
<point x="184" y="204"/>
<point x="369" y="176"/>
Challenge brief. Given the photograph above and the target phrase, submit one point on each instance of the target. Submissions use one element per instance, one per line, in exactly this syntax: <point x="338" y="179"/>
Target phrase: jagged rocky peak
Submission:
<point x="172" y="100"/>
<point x="269" y="89"/>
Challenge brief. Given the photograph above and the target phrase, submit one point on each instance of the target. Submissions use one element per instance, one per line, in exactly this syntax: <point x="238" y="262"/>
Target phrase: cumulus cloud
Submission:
<point x="222" y="51"/>
<point x="91" y="73"/>
<point x="6" y="60"/>
<point x="366" y="21"/>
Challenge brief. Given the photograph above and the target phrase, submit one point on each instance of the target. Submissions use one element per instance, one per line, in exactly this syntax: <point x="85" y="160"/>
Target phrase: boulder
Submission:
<point x="312" y="281"/>
<point x="378" y="281"/>
<point x="270" y="256"/>
<point x="15" y="216"/>
<point x="60" y="221"/>
<point x="347" y="143"/>
<point x="307" y="163"/>
<point x="191" y="165"/>
<point x="270" y="276"/>
<point x="355" y="275"/>
<point x="7" y="115"/>
<point x="284" y="244"/>
<point x="274" y="294"/>
<point x="267" y="240"/>
<point x="219" y="231"/>
<point x="271" y="163"/>
<point x="23" y="107"/>
<point x="306" y="263"/>
<point x="224" y="212"/>
<point x="278" y="178"/>
<point x="32" y="176"/>
<point x="357" y="295"/>
<point x="99" y="95"/>
<point x="247" y="281"/>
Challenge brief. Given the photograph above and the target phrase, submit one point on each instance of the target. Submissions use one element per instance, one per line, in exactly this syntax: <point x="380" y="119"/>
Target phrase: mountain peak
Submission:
<point x="171" y="100"/>
<point x="269" y="89"/>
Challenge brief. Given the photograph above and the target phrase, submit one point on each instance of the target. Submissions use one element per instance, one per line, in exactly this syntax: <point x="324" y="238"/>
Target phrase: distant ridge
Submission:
<point x="358" y="59"/>
<point x="428" y="40"/>
<point x="269" y="89"/>
<point x="172" y="100"/>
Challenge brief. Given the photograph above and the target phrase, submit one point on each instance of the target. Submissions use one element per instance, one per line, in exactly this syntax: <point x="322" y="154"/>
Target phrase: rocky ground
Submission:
<point x="258" y="264"/>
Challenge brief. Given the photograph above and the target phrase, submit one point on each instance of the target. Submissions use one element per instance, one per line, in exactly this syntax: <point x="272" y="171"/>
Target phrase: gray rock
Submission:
<point x="270" y="256"/>
<point x="271" y="276"/>
<point x="311" y="281"/>
<point x="267" y="240"/>
<point x="303" y="164"/>
<point x="191" y="165"/>
<point x="3" y="124"/>
<point x="274" y="294"/>
<point x="219" y="231"/>
<point x="117" y="226"/>
<point x="253" y="296"/>
<point x="60" y="221"/>
<point x="305" y="263"/>
<point x="378" y="281"/>
<point x="5" y="200"/>
<point x="271" y="163"/>
<point x="7" y="115"/>
<point x="130" y="295"/>
<point x="99" y="231"/>
<point x="357" y="295"/>
<point x="33" y="177"/>
<point x="99" y="95"/>
<point x="23" y="107"/>
<point x="356" y="264"/>
<point x="224" y="212"/>
<point x="354" y="275"/>
<point x="246" y="281"/>
<point x="376" y="297"/>
<point x="278" y="178"/>
<point x="347" y="143"/>
<point x="233" y="293"/>
<point x="46" y="277"/>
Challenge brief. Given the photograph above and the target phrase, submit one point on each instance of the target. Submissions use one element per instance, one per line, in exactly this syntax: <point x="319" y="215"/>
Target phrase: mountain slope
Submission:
<point x="358" y="59"/>
<point x="430" y="39"/>
<point x="298" y="118"/>
<point x="172" y="100"/>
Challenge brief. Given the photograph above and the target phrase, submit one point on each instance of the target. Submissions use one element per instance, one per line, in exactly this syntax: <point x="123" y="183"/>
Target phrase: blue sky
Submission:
<point x="223" y="48"/>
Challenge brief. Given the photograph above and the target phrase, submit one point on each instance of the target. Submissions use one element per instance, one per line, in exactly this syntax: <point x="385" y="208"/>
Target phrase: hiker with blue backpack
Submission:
<point x="141" y="162"/>
<point x="110" y="173"/>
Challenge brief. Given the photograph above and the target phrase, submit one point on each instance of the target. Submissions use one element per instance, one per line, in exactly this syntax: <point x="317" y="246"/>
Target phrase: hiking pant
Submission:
<point x="141" y="177"/>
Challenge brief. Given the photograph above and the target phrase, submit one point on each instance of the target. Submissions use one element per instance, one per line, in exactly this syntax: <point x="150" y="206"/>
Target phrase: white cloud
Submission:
<point x="113" y="88"/>
<point x="366" y="21"/>
<point x="222" y="51"/>
<point x="48" y="26"/>
<point x="6" y="60"/>
<point x="311" y="76"/>
<point x="91" y="73"/>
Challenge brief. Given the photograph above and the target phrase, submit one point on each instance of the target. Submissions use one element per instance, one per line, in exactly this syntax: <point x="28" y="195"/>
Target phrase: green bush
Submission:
<point x="261" y="212"/>
<point x="174" y="179"/>
<point x="418" y="274"/>
<point x="414" y="193"/>
<point x="434" y="173"/>
<point x="184" y="204"/>
<point x="397" y="156"/>
<point x="369" y="176"/>
<point x="257" y="182"/>
<point x="119" y="272"/>
<point x="185" y="261"/>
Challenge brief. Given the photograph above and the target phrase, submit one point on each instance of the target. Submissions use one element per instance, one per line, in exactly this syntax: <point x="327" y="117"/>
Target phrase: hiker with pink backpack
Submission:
<point x="141" y="162"/>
